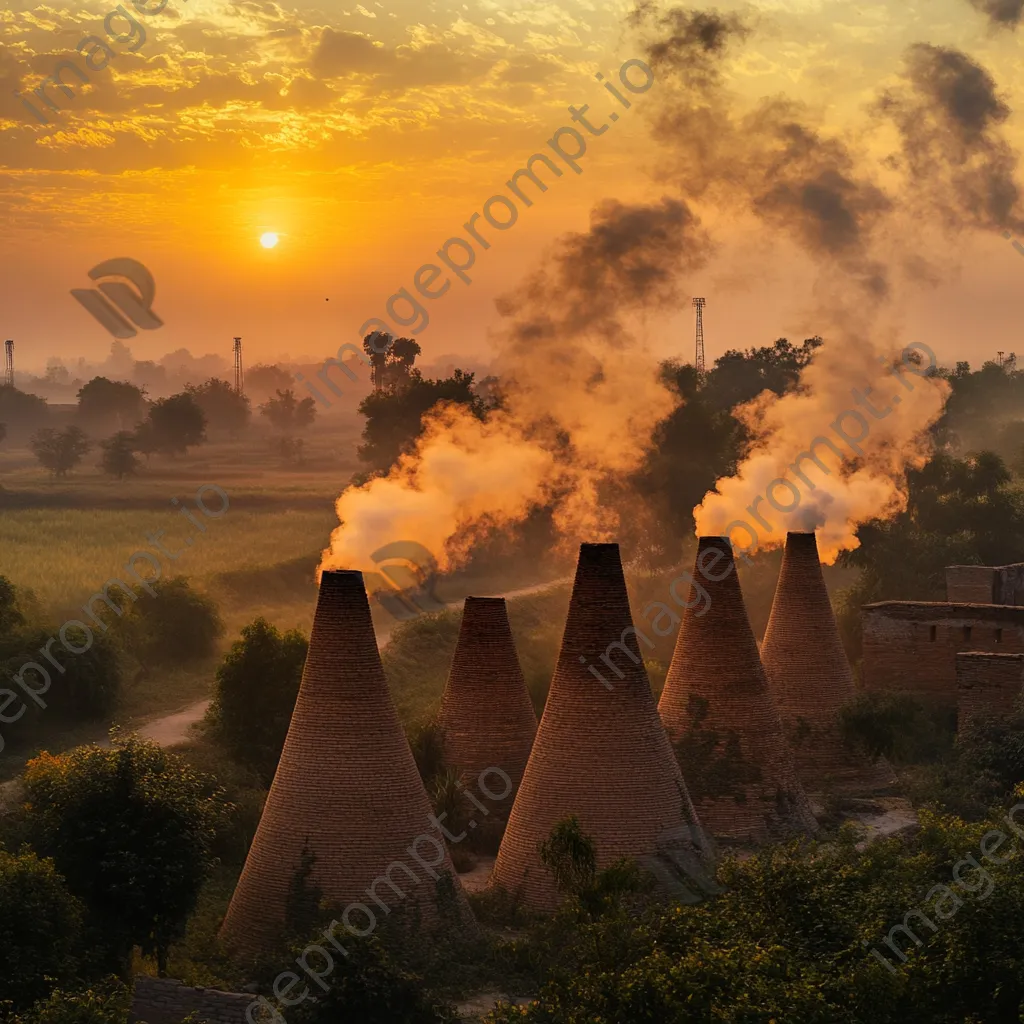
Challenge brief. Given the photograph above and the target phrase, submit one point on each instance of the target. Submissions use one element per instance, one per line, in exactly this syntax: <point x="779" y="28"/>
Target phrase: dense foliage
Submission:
<point x="131" y="829"/>
<point x="256" y="687"/>
<point x="39" y="928"/>
<point x="173" y="625"/>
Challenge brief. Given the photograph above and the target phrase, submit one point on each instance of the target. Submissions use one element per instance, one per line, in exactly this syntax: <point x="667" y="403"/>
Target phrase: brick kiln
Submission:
<point x="487" y="717"/>
<point x="716" y="699"/>
<point x="600" y="754"/>
<point x="988" y="685"/>
<point x="810" y="677"/>
<point x="346" y="785"/>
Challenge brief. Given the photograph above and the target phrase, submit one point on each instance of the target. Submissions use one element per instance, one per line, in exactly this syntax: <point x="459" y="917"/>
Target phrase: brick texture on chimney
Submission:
<point x="487" y="718"/>
<point x="810" y="677"/>
<point x="600" y="754"/>
<point x="716" y="699"/>
<point x="346" y="785"/>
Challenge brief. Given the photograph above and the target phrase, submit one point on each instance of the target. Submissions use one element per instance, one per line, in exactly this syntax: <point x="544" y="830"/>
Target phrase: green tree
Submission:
<point x="40" y="923"/>
<point x="288" y="414"/>
<point x="174" y="425"/>
<point x="90" y="683"/>
<point x="21" y="412"/>
<point x="255" y="692"/>
<point x="131" y="829"/>
<point x="394" y="414"/>
<point x="174" y="625"/>
<point x="105" y="405"/>
<point x="118" y="457"/>
<point x="224" y="408"/>
<point x="59" y="451"/>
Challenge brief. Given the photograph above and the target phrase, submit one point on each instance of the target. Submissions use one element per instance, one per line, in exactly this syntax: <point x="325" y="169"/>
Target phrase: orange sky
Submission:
<point x="367" y="135"/>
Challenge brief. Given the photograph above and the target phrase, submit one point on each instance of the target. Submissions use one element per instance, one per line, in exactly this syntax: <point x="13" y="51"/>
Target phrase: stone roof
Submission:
<point x="810" y="677"/>
<point x="346" y="784"/>
<point x="166" y="1001"/>
<point x="600" y="754"/>
<point x="716" y="690"/>
<point x="487" y="717"/>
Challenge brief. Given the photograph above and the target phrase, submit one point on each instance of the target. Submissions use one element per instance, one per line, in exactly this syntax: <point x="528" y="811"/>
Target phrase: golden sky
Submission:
<point x="366" y="136"/>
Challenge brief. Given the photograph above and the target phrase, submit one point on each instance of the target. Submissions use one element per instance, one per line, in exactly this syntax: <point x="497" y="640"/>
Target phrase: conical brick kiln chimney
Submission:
<point x="717" y="706"/>
<point x="346" y="787"/>
<point x="487" y="718"/>
<point x="811" y="679"/>
<point x="601" y="753"/>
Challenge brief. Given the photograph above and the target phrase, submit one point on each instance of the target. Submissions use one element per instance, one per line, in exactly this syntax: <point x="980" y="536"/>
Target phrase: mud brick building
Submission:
<point x="811" y="679"/>
<point x="985" y="584"/>
<point x="602" y="755"/>
<point x="912" y="646"/>
<point x="346" y="789"/>
<point x="716" y="700"/>
<point x="487" y="718"/>
<point x="988" y="685"/>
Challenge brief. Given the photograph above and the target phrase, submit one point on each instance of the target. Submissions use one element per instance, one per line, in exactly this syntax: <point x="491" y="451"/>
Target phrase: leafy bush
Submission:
<point x="39" y="927"/>
<point x="899" y="727"/>
<point x="370" y="987"/>
<point x="131" y="829"/>
<point x="257" y="684"/>
<point x="107" y="1003"/>
<point x="174" y="625"/>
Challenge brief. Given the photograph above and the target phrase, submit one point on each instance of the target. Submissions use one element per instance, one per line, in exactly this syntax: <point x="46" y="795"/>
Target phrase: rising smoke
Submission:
<point x="1002" y="13"/>
<point x="581" y="398"/>
<point x="582" y="393"/>
<point x="855" y="217"/>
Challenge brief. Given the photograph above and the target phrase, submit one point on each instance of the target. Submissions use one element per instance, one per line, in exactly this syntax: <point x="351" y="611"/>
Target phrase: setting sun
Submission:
<point x="268" y="240"/>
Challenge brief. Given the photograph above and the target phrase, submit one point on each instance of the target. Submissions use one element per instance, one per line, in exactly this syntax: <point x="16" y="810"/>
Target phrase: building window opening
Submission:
<point x="967" y="632"/>
<point x="999" y="636"/>
<point x="932" y="632"/>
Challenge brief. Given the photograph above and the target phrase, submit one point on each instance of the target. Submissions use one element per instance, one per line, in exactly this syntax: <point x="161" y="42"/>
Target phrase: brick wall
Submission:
<point x="987" y="685"/>
<point x="912" y="646"/>
<point x="971" y="584"/>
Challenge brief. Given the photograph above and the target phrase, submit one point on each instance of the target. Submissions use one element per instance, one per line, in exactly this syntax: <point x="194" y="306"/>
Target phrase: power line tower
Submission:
<point x="239" y="378"/>
<point x="9" y="363"/>
<point x="699" y="359"/>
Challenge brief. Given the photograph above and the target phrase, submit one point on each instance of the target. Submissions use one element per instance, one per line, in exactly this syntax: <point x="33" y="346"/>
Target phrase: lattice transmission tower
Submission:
<point x="699" y="358"/>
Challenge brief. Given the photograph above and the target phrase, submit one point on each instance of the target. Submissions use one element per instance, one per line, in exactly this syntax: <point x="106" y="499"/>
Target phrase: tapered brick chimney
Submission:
<point x="601" y="751"/>
<point x="811" y="679"/>
<point x="346" y="786"/>
<point x="717" y="706"/>
<point x="487" y="717"/>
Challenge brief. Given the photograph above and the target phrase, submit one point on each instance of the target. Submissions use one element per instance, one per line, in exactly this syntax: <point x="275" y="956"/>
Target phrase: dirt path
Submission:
<point x="174" y="728"/>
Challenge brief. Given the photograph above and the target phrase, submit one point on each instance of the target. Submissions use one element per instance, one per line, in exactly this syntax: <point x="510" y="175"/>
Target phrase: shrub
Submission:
<point x="899" y="727"/>
<point x="107" y="1003"/>
<point x="131" y="829"/>
<point x="174" y="625"/>
<point x="257" y="684"/>
<point x="39" y="927"/>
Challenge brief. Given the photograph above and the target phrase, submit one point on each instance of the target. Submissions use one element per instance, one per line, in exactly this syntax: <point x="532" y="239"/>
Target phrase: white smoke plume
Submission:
<point x="582" y="392"/>
<point x="582" y="398"/>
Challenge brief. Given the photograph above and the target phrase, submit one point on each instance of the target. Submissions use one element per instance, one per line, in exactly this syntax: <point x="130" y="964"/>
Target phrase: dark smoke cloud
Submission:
<point x="1003" y="13"/>
<point x="632" y="258"/>
<point x="949" y="117"/>
<point x="772" y="162"/>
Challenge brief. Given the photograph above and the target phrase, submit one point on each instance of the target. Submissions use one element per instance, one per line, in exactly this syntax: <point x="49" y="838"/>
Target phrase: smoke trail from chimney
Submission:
<point x="856" y="218"/>
<point x="582" y="397"/>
